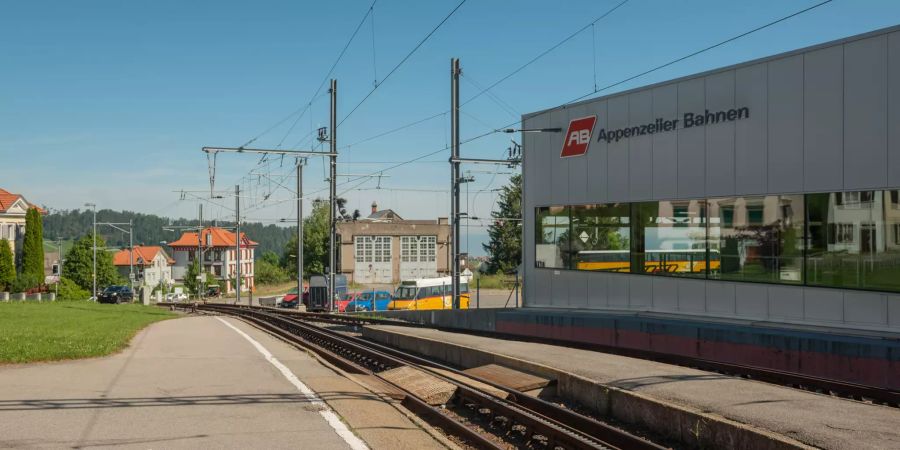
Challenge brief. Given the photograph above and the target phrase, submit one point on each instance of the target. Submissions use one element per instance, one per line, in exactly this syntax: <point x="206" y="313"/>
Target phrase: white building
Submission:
<point x="217" y="256"/>
<point x="151" y="264"/>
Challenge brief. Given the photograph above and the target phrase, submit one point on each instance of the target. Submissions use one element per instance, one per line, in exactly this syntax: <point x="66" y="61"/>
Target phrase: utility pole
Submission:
<point x="131" y="254"/>
<point x="300" y="162"/>
<point x="94" y="246"/>
<point x="332" y="181"/>
<point x="454" y="177"/>
<point x="200" y="251"/>
<point x="237" y="242"/>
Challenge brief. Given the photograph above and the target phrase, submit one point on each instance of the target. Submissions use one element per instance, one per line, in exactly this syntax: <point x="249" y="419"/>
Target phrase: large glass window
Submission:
<point x="669" y="238"/>
<point x="552" y="237"/>
<point x="601" y="237"/>
<point x="853" y="240"/>
<point x="756" y="238"/>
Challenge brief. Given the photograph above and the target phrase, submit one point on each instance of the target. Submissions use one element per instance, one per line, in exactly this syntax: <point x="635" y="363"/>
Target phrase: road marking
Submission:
<point x="327" y="413"/>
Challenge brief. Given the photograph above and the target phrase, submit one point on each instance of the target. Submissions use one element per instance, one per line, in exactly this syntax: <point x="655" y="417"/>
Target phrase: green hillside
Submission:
<point x="148" y="229"/>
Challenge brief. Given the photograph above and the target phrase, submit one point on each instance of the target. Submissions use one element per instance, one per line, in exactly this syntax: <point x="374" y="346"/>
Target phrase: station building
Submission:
<point x="749" y="214"/>
<point x="768" y="190"/>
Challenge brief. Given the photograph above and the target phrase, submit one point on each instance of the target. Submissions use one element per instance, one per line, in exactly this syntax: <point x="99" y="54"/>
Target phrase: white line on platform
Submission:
<point x="327" y="413"/>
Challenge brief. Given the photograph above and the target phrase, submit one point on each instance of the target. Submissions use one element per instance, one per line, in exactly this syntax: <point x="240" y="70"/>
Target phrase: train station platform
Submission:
<point x="695" y="408"/>
<point x="198" y="382"/>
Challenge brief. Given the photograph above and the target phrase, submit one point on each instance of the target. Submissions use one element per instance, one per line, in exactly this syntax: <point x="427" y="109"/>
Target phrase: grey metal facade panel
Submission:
<point x="720" y="298"/>
<point x="751" y="300"/>
<point x="559" y="284"/>
<point x="826" y="305"/>
<point x="868" y="308"/>
<point x="640" y="148"/>
<point x="665" y="294"/>
<point x="865" y="113"/>
<point x="640" y="293"/>
<point x="578" y="170"/>
<point x="617" y="152"/>
<point x="665" y="145"/>
<point x="578" y="290"/>
<point x="893" y="72"/>
<point x="720" y="137"/>
<point x="785" y="149"/>
<point x="823" y="119"/>
<point x="691" y="295"/>
<point x="786" y="302"/>
<point x="751" y="137"/>
<point x="597" y="159"/>
<point x="691" y="141"/>
<point x="617" y="290"/>
<point x="559" y="167"/>
<point x="597" y="291"/>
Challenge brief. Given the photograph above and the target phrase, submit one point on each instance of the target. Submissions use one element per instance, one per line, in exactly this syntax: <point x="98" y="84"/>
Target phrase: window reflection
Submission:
<point x="601" y="237"/>
<point x="757" y="238"/>
<point x="552" y="237"/>
<point x="854" y="240"/>
<point x="669" y="238"/>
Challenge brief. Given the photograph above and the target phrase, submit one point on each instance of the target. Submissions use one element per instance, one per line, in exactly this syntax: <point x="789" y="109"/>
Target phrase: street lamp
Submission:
<point x="94" y="245"/>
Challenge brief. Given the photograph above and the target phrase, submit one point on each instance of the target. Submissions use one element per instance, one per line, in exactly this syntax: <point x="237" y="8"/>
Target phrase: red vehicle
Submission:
<point x="292" y="300"/>
<point x="347" y="298"/>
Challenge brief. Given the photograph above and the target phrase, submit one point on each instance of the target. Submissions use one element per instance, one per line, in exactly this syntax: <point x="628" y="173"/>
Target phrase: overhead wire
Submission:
<point x="402" y="61"/>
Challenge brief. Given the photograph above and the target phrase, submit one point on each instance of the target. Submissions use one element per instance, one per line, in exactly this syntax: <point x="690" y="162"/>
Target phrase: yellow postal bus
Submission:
<point x="429" y="293"/>
<point x="671" y="261"/>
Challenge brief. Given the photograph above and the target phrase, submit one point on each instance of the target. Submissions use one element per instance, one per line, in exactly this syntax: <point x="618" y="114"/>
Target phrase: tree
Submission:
<point x="505" y="245"/>
<point x="267" y="273"/>
<point x="7" y="266"/>
<point x="315" y="243"/>
<point x="190" y="278"/>
<point x="33" y="249"/>
<point x="271" y="258"/>
<point x="79" y="261"/>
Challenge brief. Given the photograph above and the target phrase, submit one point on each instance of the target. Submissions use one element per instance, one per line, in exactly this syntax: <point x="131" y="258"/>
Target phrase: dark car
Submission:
<point x="116" y="294"/>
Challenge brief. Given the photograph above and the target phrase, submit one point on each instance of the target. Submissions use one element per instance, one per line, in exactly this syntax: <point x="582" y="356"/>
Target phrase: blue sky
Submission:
<point x="110" y="101"/>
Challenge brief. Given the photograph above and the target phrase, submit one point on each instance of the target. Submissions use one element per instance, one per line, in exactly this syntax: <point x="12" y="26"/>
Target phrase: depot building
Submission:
<point x="768" y="191"/>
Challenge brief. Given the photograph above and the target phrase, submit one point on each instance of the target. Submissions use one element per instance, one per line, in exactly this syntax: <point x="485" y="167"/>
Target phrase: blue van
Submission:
<point x="370" y="301"/>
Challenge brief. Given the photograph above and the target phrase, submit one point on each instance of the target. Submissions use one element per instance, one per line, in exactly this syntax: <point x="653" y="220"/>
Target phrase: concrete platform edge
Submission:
<point x="691" y="427"/>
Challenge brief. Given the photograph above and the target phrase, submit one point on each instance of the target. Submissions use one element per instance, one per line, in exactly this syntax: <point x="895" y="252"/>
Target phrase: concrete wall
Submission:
<point x="821" y="119"/>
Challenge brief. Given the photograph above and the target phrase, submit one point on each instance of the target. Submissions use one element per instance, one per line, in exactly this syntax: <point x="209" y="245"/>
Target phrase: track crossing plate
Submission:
<point x="430" y="389"/>
<point x="511" y="378"/>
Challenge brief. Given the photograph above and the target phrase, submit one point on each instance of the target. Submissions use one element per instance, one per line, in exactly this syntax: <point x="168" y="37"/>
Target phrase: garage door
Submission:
<point x="373" y="260"/>
<point x="418" y="257"/>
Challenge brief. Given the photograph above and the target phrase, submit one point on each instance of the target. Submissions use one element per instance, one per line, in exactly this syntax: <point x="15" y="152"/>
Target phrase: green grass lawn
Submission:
<point x="69" y="330"/>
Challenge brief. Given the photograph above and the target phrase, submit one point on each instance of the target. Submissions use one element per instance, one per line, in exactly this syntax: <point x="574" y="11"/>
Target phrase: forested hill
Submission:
<point x="148" y="229"/>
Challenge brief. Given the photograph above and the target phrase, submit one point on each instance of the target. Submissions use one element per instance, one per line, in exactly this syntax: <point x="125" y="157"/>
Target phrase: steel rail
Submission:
<point x="838" y="388"/>
<point x="556" y="425"/>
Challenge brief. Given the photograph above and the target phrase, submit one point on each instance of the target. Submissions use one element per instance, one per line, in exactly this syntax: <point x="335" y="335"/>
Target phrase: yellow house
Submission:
<point x="12" y="217"/>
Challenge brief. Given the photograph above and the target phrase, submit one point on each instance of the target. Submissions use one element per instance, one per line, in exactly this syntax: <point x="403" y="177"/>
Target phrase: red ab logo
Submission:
<point x="578" y="137"/>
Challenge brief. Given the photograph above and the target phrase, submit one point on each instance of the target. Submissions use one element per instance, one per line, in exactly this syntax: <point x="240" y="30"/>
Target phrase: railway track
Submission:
<point x="479" y="417"/>
<point x="837" y="388"/>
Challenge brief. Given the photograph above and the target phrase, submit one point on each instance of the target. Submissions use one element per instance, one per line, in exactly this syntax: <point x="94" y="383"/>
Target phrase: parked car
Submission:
<point x="345" y="300"/>
<point x="364" y="301"/>
<point x="213" y="291"/>
<point x="116" y="294"/>
<point x="291" y="299"/>
<point x="176" y="297"/>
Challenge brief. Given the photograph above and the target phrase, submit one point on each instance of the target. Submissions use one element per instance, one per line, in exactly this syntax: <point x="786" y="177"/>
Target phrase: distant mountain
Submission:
<point x="148" y="229"/>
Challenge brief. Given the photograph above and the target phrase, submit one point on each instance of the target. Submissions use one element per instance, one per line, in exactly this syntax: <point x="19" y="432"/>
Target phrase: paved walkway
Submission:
<point x="814" y="419"/>
<point x="197" y="382"/>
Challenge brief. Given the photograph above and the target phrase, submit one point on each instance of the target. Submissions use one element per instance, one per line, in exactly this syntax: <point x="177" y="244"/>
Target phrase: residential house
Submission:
<point x="12" y="218"/>
<point x="151" y="265"/>
<point x="217" y="256"/>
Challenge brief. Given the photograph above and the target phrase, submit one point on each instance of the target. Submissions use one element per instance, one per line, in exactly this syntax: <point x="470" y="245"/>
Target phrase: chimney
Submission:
<point x="374" y="207"/>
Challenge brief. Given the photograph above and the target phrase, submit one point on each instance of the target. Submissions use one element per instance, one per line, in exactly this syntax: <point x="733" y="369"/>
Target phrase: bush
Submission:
<point x="69" y="290"/>
<point x="267" y="273"/>
<point x="26" y="283"/>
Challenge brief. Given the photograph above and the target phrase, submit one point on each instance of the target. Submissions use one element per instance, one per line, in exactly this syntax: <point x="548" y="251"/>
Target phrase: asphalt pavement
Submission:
<point x="197" y="382"/>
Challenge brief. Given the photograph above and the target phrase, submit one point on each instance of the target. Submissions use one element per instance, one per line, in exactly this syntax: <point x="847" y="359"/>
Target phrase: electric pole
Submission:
<point x="300" y="162"/>
<point x="237" y="243"/>
<point x="200" y="251"/>
<point x="93" y="206"/>
<point x="332" y="197"/>
<point x="454" y="177"/>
